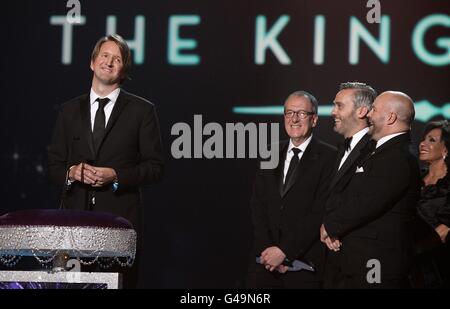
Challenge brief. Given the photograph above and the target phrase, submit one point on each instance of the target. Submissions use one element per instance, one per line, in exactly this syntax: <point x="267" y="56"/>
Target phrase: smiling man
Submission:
<point x="352" y="104"/>
<point x="288" y="203"/>
<point x="106" y="144"/>
<point x="373" y="218"/>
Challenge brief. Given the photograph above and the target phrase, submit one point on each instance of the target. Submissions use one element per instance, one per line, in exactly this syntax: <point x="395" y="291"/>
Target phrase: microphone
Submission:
<point x="66" y="186"/>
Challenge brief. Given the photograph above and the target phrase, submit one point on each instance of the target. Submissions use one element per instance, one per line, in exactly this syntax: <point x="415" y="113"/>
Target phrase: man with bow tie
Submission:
<point x="371" y="223"/>
<point x="351" y="107"/>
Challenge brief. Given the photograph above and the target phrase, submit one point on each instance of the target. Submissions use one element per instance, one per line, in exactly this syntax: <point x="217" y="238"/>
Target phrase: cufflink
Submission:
<point x="115" y="186"/>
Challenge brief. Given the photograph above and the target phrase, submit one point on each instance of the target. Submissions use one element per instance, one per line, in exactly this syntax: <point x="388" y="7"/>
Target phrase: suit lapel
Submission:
<point x="340" y="155"/>
<point x="390" y="143"/>
<point x="398" y="139"/>
<point x="349" y="162"/>
<point x="305" y="162"/>
<point x="279" y="171"/>
<point x="85" y="112"/>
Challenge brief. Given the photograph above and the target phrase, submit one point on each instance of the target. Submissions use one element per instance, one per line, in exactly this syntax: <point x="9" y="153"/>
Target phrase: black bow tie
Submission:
<point x="347" y="142"/>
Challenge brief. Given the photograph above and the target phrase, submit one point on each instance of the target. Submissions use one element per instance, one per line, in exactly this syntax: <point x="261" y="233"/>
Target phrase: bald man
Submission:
<point x="371" y="227"/>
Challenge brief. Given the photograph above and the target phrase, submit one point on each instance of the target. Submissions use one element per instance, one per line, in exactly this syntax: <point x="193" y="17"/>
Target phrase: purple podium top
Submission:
<point x="58" y="217"/>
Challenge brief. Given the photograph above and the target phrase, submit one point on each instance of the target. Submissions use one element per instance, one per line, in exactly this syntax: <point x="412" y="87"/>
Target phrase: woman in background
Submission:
<point x="432" y="268"/>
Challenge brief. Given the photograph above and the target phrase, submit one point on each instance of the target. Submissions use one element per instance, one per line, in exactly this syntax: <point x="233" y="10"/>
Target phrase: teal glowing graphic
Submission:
<point x="380" y="47"/>
<point x="137" y="45"/>
<point x="182" y="49"/>
<point x="418" y="41"/>
<point x="176" y="44"/>
<point x="425" y="110"/>
<point x="268" y="39"/>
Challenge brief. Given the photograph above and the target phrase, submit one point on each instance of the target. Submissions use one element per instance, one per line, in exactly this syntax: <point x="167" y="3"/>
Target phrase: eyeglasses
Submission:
<point x="300" y="114"/>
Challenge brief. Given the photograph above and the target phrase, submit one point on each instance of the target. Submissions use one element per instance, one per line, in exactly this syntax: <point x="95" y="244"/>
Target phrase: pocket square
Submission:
<point x="359" y="170"/>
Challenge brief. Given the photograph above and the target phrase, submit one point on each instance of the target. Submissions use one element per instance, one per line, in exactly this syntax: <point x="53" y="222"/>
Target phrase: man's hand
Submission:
<point x="104" y="176"/>
<point x="84" y="173"/>
<point x="282" y="269"/>
<point x="442" y="230"/>
<point x="272" y="258"/>
<point x="332" y="243"/>
<point x="92" y="175"/>
<point x="323" y="233"/>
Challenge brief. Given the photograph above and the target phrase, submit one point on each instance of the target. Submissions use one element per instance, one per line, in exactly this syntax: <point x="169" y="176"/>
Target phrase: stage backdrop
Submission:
<point x="229" y="61"/>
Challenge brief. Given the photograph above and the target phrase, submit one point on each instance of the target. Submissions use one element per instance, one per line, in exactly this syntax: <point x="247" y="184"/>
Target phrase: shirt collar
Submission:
<point x="357" y="137"/>
<point x="112" y="96"/>
<point x="384" y="139"/>
<point x="302" y="146"/>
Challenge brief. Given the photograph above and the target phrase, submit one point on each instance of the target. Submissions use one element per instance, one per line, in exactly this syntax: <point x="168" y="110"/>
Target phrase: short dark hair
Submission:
<point x="444" y="126"/>
<point x="364" y="94"/>
<point x="124" y="51"/>
<point x="312" y="99"/>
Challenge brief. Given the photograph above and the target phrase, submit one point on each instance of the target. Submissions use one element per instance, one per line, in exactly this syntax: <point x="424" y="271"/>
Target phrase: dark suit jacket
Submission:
<point x="131" y="146"/>
<point x="337" y="190"/>
<point x="342" y="177"/>
<point x="291" y="218"/>
<point x="374" y="217"/>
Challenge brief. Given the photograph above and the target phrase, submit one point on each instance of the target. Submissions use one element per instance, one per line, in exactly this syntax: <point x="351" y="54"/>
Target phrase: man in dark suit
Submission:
<point x="288" y="203"/>
<point x="372" y="222"/>
<point x="106" y="144"/>
<point x="351" y="106"/>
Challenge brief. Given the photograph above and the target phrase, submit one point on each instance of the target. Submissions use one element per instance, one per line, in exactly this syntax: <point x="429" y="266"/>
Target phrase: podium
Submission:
<point x="13" y="280"/>
<point x="61" y="241"/>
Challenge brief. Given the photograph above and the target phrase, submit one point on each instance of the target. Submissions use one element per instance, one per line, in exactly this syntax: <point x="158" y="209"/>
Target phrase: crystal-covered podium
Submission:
<point x="56" y="237"/>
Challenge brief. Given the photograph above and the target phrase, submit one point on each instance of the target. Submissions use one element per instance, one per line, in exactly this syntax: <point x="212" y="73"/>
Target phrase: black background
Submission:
<point x="197" y="222"/>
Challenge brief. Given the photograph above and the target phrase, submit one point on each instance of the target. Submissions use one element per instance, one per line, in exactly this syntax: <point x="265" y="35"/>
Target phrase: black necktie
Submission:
<point x="371" y="146"/>
<point x="99" y="122"/>
<point x="292" y="165"/>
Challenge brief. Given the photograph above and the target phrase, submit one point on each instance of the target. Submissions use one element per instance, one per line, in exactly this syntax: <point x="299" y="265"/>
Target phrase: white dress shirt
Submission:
<point x="108" y="107"/>
<point x="290" y="154"/>
<point x="384" y="139"/>
<point x="355" y="140"/>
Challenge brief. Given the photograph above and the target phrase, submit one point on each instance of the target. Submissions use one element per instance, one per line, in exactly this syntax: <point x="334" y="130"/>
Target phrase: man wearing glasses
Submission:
<point x="288" y="204"/>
